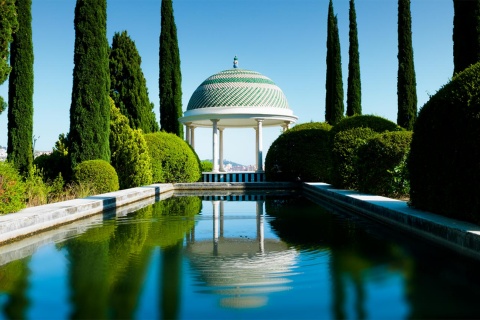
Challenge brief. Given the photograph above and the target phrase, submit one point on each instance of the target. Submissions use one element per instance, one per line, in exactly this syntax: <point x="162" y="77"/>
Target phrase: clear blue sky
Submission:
<point x="284" y="40"/>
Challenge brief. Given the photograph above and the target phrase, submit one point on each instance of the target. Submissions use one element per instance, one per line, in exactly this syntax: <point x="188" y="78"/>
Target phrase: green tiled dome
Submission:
<point x="237" y="88"/>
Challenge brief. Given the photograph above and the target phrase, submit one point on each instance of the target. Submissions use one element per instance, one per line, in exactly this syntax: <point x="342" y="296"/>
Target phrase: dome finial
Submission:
<point x="235" y="62"/>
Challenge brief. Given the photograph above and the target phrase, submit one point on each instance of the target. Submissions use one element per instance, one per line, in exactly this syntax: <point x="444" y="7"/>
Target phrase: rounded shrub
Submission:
<point x="376" y="123"/>
<point x="129" y="152"/>
<point x="207" y="166"/>
<point x="345" y="148"/>
<point x="12" y="189"/>
<point x="381" y="164"/>
<point x="173" y="160"/>
<point x="300" y="154"/>
<point x="444" y="161"/>
<point x="98" y="174"/>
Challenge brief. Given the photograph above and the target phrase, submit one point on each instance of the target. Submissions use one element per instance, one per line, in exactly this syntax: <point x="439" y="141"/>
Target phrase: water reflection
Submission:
<point x="276" y="257"/>
<point x="241" y="270"/>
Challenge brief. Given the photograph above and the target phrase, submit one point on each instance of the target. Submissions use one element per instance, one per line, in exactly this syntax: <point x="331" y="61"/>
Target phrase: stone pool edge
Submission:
<point x="461" y="236"/>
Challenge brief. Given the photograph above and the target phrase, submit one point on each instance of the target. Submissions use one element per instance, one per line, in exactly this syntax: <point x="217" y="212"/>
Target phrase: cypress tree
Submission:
<point x="128" y="87"/>
<point x="406" y="83"/>
<point x="170" y="81"/>
<point x="90" y="109"/>
<point x="466" y="34"/>
<point x="20" y="91"/>
<point x="334" y="107"/>
<point x="8" y="26"/>
<point x="354" y="89"/>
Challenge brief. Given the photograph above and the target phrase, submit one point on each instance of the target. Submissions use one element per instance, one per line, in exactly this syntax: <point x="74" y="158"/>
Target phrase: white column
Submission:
<point x="215" y="145"/>
<point x="259" y="146"/>
<point x="286" y="126"/>
<point x="256" y="148"/>
<point x="192" y="137"/>
<point x="187" y="132"/>
<point x="222" y="169"/>
<point x="215" y="204"/>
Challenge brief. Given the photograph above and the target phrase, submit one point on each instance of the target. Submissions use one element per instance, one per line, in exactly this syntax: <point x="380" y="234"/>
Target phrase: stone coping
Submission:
<point x="76" y="215"/>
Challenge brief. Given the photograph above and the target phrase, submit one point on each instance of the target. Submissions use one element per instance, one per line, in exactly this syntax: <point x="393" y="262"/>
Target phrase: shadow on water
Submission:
<point x="108" y="260"/>
<point x="439" y="283"/>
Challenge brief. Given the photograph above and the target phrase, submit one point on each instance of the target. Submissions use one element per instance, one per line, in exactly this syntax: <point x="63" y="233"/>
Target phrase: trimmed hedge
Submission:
<point x="444" y="161"/>
<point x="376" y="123"/>
<point x="99" y="174"/>
<point x="173" y="160"/>
<point x="12" y="189"/>
<point x="381" y="164"/>
<point x="345" y="148"/>
<point x="300" y="154"/>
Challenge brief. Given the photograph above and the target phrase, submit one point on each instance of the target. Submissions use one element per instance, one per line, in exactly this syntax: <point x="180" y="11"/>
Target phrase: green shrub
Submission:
<point x="207" y="166"/>
<point x="129" y="152"/>
<point x="12" y="189"/>
<point x="173" y="160"/>
<point x="36" y="189"/>
<point x="98" y="174"/>
<point x="381" y="164"/>
<point x="53" y="164"/>
<point x="376" y="123"/>
<point x="444" y="160"/>
<point x="345" y="156"/>
<point x="300" y="154"/>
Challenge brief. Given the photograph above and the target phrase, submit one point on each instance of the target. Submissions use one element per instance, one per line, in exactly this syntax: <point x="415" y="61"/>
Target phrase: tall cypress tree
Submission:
<point x="128" y="87"/>
<point x="8" y="26"/>
<point x="334" y="107"/>
<point x="406" y="83"/>
<point x="354" y="89"/>
<point x="20" y="91"/>
<point x="90" y="109"/>
<point x="466" y="34"/>
<point x="170" y="81"/>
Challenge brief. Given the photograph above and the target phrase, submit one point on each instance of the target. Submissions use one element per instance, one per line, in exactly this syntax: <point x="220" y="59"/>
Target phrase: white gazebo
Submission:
<point x="236" y="98"/>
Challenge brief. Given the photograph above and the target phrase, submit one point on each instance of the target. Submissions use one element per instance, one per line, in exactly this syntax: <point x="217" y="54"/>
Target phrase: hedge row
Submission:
<point x="366" y="153"/>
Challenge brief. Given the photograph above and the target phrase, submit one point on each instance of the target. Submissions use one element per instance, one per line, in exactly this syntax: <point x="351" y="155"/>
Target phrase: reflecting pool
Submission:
<point x="234" y="257"/>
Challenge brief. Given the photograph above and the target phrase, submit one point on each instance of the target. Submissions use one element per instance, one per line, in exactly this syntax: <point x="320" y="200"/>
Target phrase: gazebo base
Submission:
<point x="238" y="176"/>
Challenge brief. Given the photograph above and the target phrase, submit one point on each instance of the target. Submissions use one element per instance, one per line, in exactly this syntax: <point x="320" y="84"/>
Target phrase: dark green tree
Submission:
<point x="466" y="34"/>
<point x="8" y="26"/>
<point x="354" y="89"/>
<point x="20" y="91"/>
<point x="334" y="107"/>
<point x="406" y="82"/>
<point x="90" y="108"/>
<point x="128" y="87"/>
<point x="170" y="81"/>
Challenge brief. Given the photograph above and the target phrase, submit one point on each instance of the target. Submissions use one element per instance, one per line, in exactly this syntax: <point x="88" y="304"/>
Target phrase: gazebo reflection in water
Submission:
<point x="242" y="270"/>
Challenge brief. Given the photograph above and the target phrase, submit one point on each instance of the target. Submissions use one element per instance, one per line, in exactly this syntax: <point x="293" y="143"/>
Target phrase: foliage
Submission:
<point x="466" y="34"/>
<point x="56" y="163"/>
<point x="8" y="26"/>
<point x="36" y="190"/>
<point x="301" y="153"/>
<point x="90" y="109"/>
<point x="354" y="88"/>
<point x="381" y="164"/>
<point x="334" y="107"/>
<point x="376" y="123"/>
<point x="445" y="151"/>
<point x="173" y="160"/>
<point x="406" y="81"/>
<point x="170" y="82"/>
<point x="12" y="189"/>
<point x="129" y="152"/>
<point x="206" y="166"/>
<point x="345" y="156"/>
<point x="128" y="87"/>
<point x="98" y="174"/>
<point x="20" y="92"/>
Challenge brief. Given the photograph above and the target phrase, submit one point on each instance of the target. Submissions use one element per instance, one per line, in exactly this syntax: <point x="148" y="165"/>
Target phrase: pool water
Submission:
<point x="264" y="257"/>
